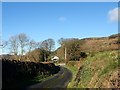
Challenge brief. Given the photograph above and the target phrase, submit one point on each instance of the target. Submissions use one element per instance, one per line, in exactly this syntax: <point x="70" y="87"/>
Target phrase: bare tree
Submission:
<point x="48" y="44"/>
<point x="60" y="41"/>
<point x="23" y="41"/>
<point x="3" y="45"/>
<point x="13" y="41"/>
<point x="51" y="44"/>
<point x="32" y="45"/>
<point x="38" y="45"/>
<point x="44" y="45"/>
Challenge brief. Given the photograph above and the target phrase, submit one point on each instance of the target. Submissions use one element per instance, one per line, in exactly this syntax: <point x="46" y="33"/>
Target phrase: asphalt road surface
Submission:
<point x="59" y="80"/>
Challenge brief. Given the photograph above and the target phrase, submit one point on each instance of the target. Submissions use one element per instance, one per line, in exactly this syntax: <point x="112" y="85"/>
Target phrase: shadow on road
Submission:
<point x="59" y="81"/>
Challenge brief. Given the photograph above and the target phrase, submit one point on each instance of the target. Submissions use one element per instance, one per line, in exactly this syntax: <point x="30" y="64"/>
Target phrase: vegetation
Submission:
<point x="21" y="47"/>
<point x="37" y="55"/>
<point x="72" y="67"/>
<point x="70" y="49"/>
<point x="93" y="61"/>
<point x="98" y="71"/>
<point x="18" y="74"/>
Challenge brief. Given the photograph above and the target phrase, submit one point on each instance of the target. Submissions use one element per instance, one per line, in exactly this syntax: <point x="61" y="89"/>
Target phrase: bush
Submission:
<point x="15" y="72"/>
<point x="83" y="55"/>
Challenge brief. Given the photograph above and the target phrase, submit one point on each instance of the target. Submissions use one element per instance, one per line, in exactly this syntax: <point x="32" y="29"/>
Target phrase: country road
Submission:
<point x="59" y="80"/>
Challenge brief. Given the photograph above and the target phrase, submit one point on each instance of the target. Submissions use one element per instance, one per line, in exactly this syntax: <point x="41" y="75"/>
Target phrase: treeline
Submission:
<point x="21" y="46"/>
<point x="21" y="43"/>
<point x="14" y="73"/>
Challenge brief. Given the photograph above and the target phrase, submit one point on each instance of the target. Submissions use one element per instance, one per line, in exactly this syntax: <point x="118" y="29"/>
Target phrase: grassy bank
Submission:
<point x="96" y="71"/>
<point x="74" y="71"/>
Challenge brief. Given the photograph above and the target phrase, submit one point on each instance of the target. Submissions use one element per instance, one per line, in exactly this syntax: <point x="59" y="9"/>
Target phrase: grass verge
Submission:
<point x="74" y="71"/>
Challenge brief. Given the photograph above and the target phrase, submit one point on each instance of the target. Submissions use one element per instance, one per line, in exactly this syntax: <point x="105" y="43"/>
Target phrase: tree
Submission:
<point x="48" y="44"/>
<point x="23" y="41"/>
<point x="73" y="50"/>
<point x="44" y="45"/>
<point x="37" y="55"/>
<point x="61" y="40"/>
<point x="13" y="41"/>
<point x="31" y="45"/>
<point x="3" y="45"/>
<point x="51" y="44"/>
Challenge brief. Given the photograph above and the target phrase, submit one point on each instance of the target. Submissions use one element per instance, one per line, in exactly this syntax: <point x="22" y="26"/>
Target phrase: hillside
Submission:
<point x="100" y="68"/>
<point x="92" y="45"/>
<point x="98" y="71"/>
<point x="100" y="44"/>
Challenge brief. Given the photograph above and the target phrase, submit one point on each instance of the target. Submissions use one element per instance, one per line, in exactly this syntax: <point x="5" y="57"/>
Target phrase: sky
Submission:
<point x="43" y="20"/>
<point x="60" y="0"/>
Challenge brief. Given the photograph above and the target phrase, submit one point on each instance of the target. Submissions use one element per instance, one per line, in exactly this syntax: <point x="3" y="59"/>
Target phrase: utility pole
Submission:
<point x="65" y="54"/>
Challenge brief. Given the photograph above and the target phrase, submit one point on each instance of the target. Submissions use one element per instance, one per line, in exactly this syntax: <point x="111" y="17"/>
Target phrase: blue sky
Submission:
<point x="41" y="21"/>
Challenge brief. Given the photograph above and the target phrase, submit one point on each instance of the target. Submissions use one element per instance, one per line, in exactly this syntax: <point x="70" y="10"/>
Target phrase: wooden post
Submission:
<point x="65" y="54"/>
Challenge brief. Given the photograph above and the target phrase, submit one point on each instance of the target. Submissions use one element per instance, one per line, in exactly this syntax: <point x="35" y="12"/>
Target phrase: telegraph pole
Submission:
<point x="65" y="54"/>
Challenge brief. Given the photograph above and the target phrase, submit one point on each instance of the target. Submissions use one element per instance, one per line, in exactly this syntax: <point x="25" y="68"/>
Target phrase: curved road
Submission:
<point x="59" y="80"/>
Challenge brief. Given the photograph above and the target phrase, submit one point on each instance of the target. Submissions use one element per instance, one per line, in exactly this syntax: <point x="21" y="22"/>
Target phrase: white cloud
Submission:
<point x="113" y="15"/>
<point x="62" y="19"/>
